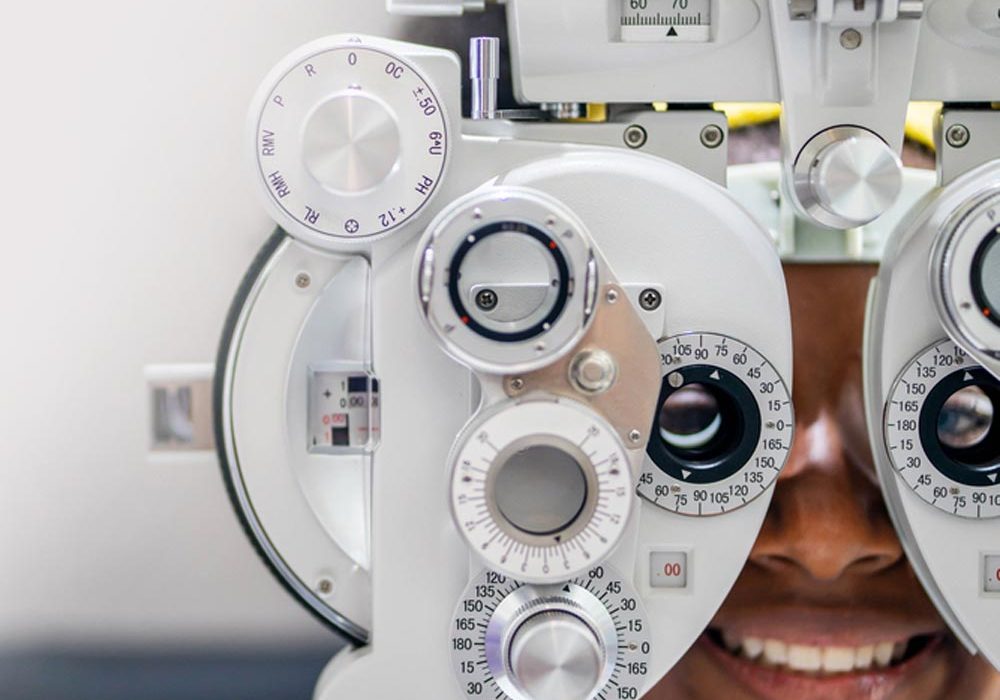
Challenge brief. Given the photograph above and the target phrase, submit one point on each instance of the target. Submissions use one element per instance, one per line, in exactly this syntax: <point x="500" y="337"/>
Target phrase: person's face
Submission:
<point x="827" y="580"/>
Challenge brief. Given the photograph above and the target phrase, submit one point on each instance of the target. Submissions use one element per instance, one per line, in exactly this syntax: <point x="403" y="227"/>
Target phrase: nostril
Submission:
<point x="873" y="563"/>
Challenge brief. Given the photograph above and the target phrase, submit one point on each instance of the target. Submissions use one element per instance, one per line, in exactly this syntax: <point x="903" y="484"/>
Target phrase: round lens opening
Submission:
<point x="690" y="418"/>
<point x="540" y="490"/>
<point x="965" y="419"/>
<point x="986" y="277"/>
<point x="509" y="282"/>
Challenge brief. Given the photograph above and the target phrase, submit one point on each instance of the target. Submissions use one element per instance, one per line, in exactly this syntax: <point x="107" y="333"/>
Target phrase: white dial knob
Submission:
<point x="556" y="655"/>
<point x="349" y="140"/>
<point x="847" y="177"/>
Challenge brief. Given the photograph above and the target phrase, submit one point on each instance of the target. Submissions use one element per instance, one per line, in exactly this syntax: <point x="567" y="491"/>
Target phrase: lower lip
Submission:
<point x="779" y="684"/>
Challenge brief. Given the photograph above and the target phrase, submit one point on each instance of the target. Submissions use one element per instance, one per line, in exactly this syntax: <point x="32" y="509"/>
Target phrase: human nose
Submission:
<point x="827" y="519"/>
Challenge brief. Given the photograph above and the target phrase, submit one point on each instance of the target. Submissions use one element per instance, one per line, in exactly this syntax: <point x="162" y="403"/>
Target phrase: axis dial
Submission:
<point x="723" y="430"/>
<point x="941" y="432"/>
<point x="576" y="640"/>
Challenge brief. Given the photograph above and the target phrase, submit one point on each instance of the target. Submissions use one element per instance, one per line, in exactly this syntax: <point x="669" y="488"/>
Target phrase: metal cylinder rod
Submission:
<point x="484" y="72"/>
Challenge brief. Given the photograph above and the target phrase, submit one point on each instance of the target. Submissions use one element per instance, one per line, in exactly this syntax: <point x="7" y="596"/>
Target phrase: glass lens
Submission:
<point x="690" y="418"/>
<point x="965" y="419"/>
<point x="540" y="490"/>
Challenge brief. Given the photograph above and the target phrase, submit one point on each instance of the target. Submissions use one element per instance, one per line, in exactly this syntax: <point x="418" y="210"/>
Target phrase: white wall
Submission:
<point x="128" y="223"/>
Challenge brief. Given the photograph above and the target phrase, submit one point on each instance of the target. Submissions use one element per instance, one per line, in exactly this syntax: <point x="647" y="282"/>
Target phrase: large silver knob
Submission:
<point x="847" y="177"/>
<point x="582" y="639"/>
<point x="557" y="655"/>
<point x="350" y="143"/>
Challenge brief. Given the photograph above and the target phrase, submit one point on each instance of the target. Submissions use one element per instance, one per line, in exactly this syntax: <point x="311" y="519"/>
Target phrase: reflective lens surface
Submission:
<point x="540" y="490"/>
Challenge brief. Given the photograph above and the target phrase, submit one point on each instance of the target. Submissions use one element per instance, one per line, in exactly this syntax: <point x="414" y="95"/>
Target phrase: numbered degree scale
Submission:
<point x="666" y="20"/>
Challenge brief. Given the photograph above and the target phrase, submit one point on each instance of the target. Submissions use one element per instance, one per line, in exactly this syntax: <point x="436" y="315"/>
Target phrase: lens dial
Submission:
<point x="576" y="640"/>
<point x="966" y="275"/>
<point x="723" y="429"/>
<point x="942" y="433"/>
<point x="541" y="490"/>
<point x="349" y="142"/>
<point x="507" y="280"/>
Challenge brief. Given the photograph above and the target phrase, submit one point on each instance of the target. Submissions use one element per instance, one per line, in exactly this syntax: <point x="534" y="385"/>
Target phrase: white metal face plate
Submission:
<point x="350" y="143"/>
<point x="907" y="453"/>
<point x="602" y="587"/>
<point x="681" y="492"/>
<point x="590" y="537"/>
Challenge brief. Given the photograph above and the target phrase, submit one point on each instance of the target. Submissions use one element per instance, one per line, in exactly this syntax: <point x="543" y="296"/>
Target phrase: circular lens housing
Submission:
<point x="541" y="489"/>
<point x="986" y="277"/>
<point x="723" y="429"/>
<point x="507" y="280"/>
<point x="941" y="433"/>
<point x="957" y="429"/>
<point x="965" y="275"/>
<point x="709" y="425"/>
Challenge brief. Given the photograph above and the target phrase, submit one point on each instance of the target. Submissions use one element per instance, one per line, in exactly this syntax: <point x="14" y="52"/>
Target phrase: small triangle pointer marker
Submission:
<point x="672" y="32"/>
<point x="968" y="377"/>
<point x="993" y="478"/>
<point x="685" y="473"/>
<point x="715" y="375"/>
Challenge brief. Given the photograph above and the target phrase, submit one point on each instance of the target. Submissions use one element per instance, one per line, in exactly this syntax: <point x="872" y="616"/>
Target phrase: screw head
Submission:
<point x="517" y="384"/>
<point x="851" y="39"/>
<point x="612" y="296"/>
<point x="675" y="380"/>
<point x="650" y="299"/>
<point x="325" y="586"/>
<point x="635" y="436"/>
<point x="635" y="136"/>
<point x="303" y="280"/>
<point x="958" y="136"/>
<point x="712" y="136"/>
<point x="486" y="299"/>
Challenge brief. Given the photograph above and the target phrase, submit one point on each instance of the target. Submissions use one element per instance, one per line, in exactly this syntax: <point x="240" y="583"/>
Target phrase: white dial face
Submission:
<point x="723" y="429"/>
<point x="494" y="608"/>
<point x="541" y="490"/>
<point x="350" y="143"/>
<point x="940" y="432"/>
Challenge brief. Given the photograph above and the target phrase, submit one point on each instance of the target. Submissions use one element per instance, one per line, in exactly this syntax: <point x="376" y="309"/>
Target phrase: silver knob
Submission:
<point x="350" y="143"/>
<point x="556" y="655"/>
<point x="593" y="371"/>
<point x="847" y="177"/>
<point x="484" y="72"/>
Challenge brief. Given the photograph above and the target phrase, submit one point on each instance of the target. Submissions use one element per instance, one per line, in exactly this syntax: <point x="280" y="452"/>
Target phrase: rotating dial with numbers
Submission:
<point x="723" y="428"/>
<point x="350" y="142"/>
<point x="576" y="640"/>
<point x="941" y="432"/>
<point x="541" y="490"/>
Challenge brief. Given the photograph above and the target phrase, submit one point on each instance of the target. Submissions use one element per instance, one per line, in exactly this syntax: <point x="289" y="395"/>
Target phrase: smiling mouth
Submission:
<point x="822" y="661"/>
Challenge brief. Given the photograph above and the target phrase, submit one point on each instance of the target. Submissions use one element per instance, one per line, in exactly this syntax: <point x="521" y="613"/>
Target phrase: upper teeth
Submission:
<point x="825" y="659"/>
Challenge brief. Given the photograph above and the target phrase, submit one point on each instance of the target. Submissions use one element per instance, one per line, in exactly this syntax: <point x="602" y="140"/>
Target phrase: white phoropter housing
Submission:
<point x="932" y="399"/>
<point x="337" y="410"/>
